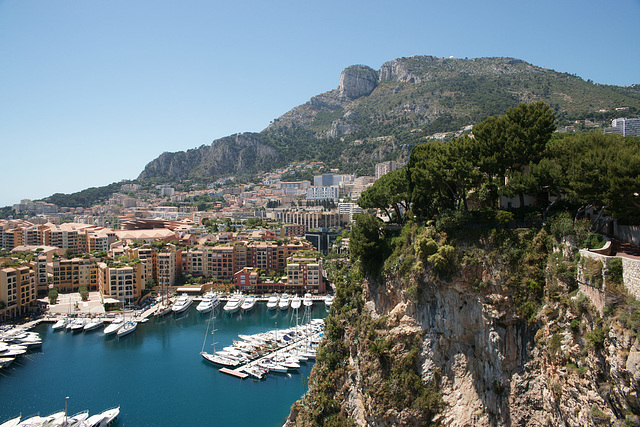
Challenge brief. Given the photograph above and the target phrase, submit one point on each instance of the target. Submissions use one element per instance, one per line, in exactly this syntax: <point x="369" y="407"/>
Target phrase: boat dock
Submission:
<point x="242" y="371"/>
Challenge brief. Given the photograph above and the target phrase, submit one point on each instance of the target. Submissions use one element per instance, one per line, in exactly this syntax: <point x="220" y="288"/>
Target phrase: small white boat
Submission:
<point x="273" y="367"/>
<point x="234" y="303"/>
<point x="328" y="300"/>
<point x="113" y="327"/>
<point x="272" y="302"/>
<point x="93" y="325"/>
<point x="296" y="302"/>
<point x="182" y="303"/>
<point x="209" y="302"/>
<point x="249" y="303"/>
<point x="307" y="301"/>
<point x="285" y="301"/>
<point x="102" y="419"/>
<point x="60" y="324"/>
<point x="77" y="325"/>
<point x="11" y="350"/>
<point x="127" y="328"/>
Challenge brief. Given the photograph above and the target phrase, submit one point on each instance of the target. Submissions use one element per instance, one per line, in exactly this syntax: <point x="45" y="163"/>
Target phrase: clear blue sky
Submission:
<point x="92" y="90"/>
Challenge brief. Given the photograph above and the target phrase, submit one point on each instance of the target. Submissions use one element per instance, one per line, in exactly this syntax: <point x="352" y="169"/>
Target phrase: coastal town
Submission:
<point x="255" y="238"/>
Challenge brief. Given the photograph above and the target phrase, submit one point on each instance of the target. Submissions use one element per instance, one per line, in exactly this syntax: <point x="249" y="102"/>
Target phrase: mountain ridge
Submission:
<point x="405" y="100"/>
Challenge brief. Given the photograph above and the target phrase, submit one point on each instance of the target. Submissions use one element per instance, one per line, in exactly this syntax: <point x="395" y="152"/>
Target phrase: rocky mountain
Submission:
<point x="375" y="115"/>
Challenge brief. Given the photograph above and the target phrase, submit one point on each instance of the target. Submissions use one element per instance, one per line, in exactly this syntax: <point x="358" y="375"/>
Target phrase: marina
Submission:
<point x="154" y="374"/>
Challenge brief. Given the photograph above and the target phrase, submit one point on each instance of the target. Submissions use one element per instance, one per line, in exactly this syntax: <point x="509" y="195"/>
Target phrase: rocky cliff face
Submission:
<point x="357" y="81"/>
<point x="568" y="367"/>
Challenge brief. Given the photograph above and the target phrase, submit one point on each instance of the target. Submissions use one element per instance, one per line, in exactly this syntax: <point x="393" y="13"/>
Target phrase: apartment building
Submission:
<point x="304" y="274"/>
<point x="624" y="127"/>
<point x="17" y="290"/>
<point x="318" y="219"/>
<point x="246" y="280"/>
<point x="69" y="274"/>
<point x="123" y="281"/>
<point x="169" y="267"/>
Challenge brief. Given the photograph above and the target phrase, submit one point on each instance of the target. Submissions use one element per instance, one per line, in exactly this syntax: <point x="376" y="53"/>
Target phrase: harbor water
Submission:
<point x="156" y="374"/>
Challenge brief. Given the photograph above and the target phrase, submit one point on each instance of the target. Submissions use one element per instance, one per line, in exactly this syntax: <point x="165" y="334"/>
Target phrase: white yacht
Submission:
<point x="307" y="301"/>
<point x="11" y="350"/>
<point x="60" y="324"/>
<point x="285" y="301"/>
<point x="209" y="302"/>
<point x="113" y="327"/>
<point x="182" y="303"/>
<point x="296" y="302"/>
<point x="77" y="325"/>
<point x="93" y="324"/>
<point x="328" y="300"/>
<point x="272" y="303"/>
<point x="249" y="303"/>
<point x="235" y="303"/>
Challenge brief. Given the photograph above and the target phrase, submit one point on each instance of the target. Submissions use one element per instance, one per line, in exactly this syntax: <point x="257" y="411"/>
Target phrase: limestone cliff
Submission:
<point x="564" y="366"/>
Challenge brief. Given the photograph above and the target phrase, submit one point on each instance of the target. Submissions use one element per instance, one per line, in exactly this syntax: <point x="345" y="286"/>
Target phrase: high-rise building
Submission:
<point x="624" y="126"/>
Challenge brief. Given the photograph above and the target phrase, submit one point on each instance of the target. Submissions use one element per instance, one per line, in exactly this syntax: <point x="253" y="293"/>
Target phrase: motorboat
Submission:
<point x="60" y="324"/>
<point x="255" y="371"/>
<point x="273" y="367"/>
<point x="234" y="303"/>
<point x="328" y="300"/>
<point x="249" y="303"/>
<point x="285" y="301"/>
<point x="296" y="302"/>
<point x="102" y="419"/>
<point x="272" y="302"/>
<point x="127" y="328"/>
<point x="11" y="350"/>
<point x="209" y="302"/>
<point x="93" y="324"/>
<point x="77" y="325"/>
<point x="307" y="301"/>
<point x="182" y="303"/>
<point x="113" y="327"/>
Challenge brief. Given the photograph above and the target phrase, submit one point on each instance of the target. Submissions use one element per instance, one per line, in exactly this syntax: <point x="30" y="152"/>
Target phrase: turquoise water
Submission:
<point x="156" y="374"/>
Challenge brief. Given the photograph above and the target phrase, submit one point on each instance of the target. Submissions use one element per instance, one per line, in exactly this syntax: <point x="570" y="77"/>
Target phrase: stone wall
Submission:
<point x="628" y="233"/>
<point x="631" y="275"/>
<point x="630" y="278"/>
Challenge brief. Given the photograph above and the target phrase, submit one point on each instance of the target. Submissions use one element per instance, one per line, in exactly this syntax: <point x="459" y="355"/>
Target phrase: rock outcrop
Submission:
<point x="357" y="81"/>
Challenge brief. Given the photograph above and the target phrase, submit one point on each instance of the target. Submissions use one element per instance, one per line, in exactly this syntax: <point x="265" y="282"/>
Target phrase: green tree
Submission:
<point x="389" y="191"/>
<point x="53" y="295"/>
<point x="365" y="241"/>
<point x="512" y="144"/>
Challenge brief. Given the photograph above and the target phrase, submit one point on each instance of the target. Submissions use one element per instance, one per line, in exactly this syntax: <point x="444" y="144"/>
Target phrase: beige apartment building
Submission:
<point x="69" y="274"/>
<point x="17" y="290"/>
<point x="123" y="281"/>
